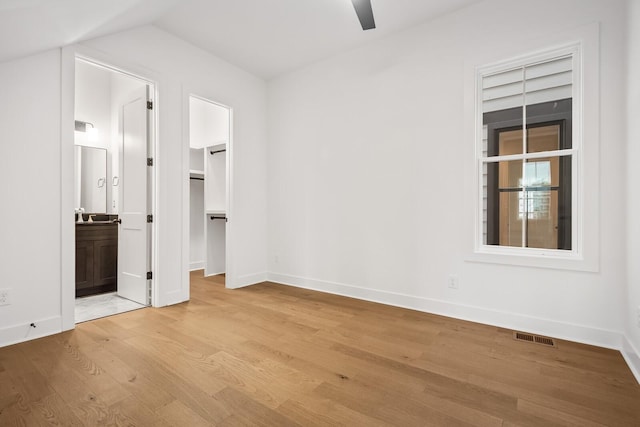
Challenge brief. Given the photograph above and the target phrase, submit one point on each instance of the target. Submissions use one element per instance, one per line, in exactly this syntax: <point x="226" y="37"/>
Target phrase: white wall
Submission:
<point x="369" y="163"/>
<point x="208" y="125"/>
<point x="633" y="196"/>
<point x="197" y="252"/>
<point x="197" y="246"/>
<point x="30" y="194"/>
<point x="181" y="69"/>
<point x="92" y="104"/>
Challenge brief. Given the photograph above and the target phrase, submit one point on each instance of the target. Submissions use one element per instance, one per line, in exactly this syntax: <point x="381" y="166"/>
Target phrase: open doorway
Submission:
<point x="113" y="190"/>
<point x="209" y="172"/>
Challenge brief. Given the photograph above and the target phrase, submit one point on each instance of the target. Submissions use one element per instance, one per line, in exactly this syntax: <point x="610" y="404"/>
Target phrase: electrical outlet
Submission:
<point x="5" y="297"/>
<point x="453" y="281"/>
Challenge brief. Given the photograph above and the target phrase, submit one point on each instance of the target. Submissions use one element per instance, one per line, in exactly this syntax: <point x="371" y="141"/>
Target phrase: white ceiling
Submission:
<point x="270" y="37"/>
<point x="29" y="26"/>
<point x="264" y="37"/>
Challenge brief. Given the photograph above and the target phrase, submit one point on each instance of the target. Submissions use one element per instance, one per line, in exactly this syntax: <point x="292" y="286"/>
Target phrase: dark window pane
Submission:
<point x="510" y="142"/>
<point x="498" y="122"/>
<point x="542" y="218"/>
<point x="510" y="219"/>
<point x="527" y="203"/>
<point x="549" y="126"/>
<point x="543" y="138"/>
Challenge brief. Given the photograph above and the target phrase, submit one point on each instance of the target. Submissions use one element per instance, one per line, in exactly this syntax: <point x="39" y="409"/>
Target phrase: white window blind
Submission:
<point x="533" y="84"/>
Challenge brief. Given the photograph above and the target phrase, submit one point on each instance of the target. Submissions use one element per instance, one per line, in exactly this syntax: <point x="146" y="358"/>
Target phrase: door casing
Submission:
<point x="69" y="54"/>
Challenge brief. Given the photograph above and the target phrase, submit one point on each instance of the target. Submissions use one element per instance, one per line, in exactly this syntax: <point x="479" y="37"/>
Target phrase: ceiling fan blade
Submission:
<point x="365" y="13"/>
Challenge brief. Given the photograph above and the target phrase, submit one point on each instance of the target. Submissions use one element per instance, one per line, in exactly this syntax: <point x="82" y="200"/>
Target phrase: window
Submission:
<point x="526" y="154"/>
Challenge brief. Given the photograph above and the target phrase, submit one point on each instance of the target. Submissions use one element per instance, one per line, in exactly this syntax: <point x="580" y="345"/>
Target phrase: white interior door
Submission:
<point x="133" y="248"/>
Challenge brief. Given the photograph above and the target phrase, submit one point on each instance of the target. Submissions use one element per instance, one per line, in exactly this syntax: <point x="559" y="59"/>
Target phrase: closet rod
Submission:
<point x="218" y="217"/>
<point x="218" y="151"/>
<point x="195" y="177"/>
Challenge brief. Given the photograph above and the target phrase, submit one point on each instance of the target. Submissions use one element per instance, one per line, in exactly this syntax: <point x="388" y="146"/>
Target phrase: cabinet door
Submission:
<point x="84" y="264"/>
<point x="105" y="262"/>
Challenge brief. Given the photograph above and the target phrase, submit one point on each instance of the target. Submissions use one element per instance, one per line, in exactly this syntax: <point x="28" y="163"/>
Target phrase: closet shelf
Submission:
<point x="194" y="173"/>
<point x="218" y="147"/>
<point x="215" y="212"/>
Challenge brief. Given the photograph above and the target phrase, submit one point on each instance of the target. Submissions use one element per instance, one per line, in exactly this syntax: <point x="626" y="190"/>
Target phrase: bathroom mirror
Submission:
<point x="91" y="179"/>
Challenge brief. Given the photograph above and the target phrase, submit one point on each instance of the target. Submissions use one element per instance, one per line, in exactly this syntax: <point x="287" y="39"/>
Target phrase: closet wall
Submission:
<point x="197" y="252"/>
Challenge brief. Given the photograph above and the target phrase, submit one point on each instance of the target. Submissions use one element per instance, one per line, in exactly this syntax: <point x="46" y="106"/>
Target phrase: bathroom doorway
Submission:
<point x="113" y="191"/>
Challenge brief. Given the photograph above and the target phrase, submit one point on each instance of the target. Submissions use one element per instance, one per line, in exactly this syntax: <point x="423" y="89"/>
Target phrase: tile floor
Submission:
<point x="103" y="305"/>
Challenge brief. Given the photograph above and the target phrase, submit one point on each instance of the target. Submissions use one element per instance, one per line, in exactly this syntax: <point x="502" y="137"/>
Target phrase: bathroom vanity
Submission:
<point x="96" y="257"/>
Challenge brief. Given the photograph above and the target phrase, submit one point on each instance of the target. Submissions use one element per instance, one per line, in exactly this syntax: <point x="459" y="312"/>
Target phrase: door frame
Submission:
<point x="69" y="54"/>
<point x="230" y="275"/>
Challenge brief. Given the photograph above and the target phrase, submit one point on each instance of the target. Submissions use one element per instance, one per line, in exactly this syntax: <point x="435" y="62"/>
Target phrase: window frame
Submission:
<point x="506" y="120"/>
<point x="505" y="253"/>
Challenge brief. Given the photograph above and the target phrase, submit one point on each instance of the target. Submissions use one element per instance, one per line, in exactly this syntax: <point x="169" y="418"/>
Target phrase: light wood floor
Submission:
<point x="278" y="356"/>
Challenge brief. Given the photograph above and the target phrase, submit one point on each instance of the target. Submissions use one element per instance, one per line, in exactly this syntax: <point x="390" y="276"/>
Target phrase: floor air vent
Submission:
<point x="536" y="339"/>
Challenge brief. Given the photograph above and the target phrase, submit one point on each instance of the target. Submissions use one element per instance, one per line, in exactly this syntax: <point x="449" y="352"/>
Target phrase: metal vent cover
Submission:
<point x="536" y="339"/>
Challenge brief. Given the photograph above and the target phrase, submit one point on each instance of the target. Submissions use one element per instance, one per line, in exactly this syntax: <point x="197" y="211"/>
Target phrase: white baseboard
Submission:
<point x="214" y="273"/>
<point x="507" y="320"/>
<point x="174" y="297"/>
<point x="196" y="265"/>
<point x="248" y="280"/>
<point x="631" y="356"/>
<point x="25" y="332"/>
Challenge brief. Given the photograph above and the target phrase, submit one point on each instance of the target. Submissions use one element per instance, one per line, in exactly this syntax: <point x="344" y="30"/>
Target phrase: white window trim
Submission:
<point x="584" y="255"/>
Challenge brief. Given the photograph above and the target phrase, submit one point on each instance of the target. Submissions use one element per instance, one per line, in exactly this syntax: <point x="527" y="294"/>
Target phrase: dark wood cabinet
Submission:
<point x="96" y="258"/>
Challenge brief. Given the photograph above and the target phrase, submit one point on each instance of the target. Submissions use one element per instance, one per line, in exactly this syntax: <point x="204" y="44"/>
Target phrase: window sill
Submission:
<point x="534" y="258"/>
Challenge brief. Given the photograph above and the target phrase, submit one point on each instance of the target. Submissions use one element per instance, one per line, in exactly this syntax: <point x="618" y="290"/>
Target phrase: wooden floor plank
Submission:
<point x="274" y="355"/>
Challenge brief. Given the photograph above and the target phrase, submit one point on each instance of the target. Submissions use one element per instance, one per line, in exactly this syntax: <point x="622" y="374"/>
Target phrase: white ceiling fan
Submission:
<point x="365" y="13"/>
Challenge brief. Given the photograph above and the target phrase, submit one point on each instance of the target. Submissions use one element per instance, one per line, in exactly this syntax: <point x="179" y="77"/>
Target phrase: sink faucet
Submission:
<point x="80" y="211"/>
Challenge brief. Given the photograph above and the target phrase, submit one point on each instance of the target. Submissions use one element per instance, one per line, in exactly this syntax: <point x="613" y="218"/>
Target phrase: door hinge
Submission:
<point x="149" y="105"/>
<point x="149" y="218"/>
<point x="149" y="275"/>
<point x="149" y="161"/>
